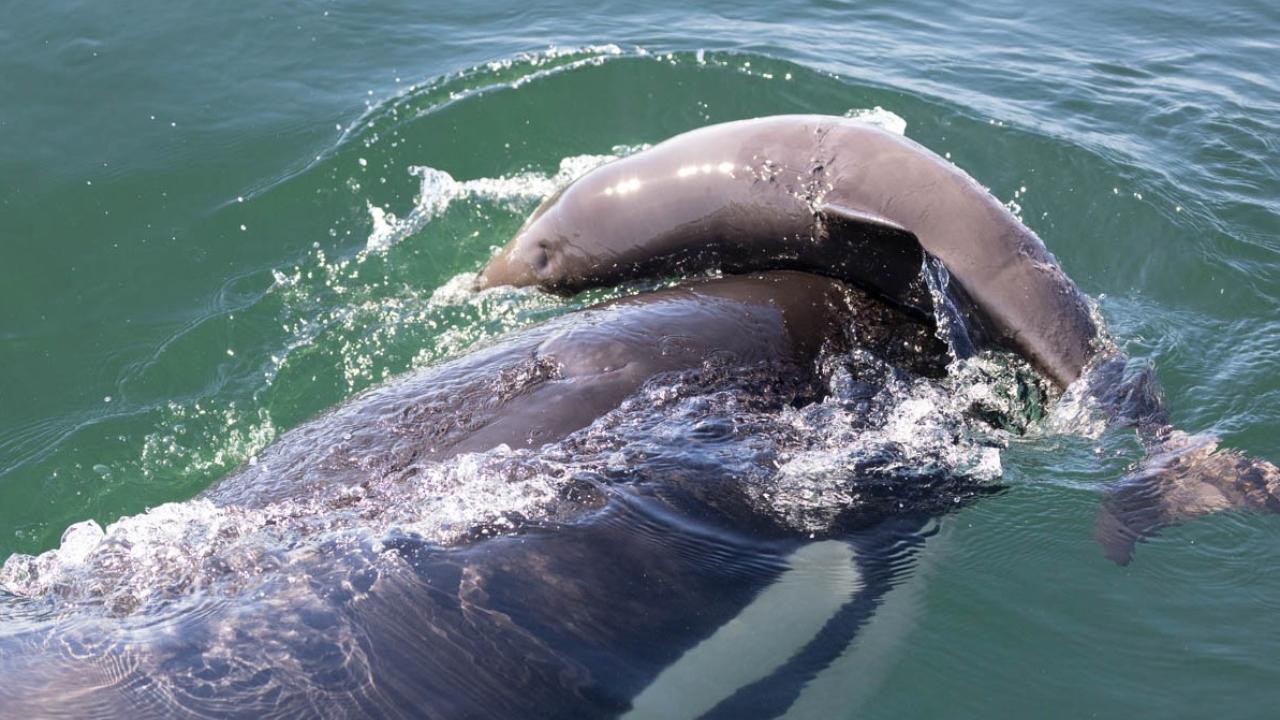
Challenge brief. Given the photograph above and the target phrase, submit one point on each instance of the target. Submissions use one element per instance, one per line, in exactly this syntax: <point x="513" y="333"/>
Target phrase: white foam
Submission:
<point x="78" y="541"/>
<point x="167" y="551"/>
<point x="804" y="466"/>
<point x="881" y="118"/>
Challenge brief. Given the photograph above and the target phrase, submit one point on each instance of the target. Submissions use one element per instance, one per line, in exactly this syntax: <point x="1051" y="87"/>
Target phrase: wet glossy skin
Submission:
<point x="573" y="616"/>
<point x="543" y="384"/>
<point x="569" y="621"/>
<point x="848" y="200"/>
<point x="807" y="192"/>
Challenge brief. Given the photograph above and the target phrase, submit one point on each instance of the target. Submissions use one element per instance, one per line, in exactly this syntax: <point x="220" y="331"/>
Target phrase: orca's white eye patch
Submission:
<point x="822" y="578"/>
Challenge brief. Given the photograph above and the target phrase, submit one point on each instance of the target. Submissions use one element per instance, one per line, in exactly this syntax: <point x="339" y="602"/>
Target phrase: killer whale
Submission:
<point x="543" y="384"/>
<point x="569" y="614"/>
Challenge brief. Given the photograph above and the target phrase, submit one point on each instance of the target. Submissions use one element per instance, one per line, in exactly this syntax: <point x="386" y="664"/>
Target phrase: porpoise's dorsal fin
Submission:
<point x="860" y="217"/>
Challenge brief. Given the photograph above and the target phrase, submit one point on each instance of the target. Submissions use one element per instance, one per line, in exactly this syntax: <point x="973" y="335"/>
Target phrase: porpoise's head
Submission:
<point x="536" y="255"/>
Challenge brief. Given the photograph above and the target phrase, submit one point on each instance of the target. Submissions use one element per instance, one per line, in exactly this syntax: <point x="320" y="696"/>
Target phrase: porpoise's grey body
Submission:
<point x="849" y="200"/>
<point x="806" y="192"/>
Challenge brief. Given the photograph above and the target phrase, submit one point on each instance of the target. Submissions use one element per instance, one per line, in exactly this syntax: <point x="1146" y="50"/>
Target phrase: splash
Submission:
<point x="910" y="442"/>
<point x="437" y="189"/>
<point x="881" y="118"/>
<point x="881" y="439"/>
<point x="143" y="562"/>
<point x="805" y="466"/>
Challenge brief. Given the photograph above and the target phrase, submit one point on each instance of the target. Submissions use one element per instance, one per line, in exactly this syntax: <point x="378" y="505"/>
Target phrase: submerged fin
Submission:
<point x="1184" y="477"/>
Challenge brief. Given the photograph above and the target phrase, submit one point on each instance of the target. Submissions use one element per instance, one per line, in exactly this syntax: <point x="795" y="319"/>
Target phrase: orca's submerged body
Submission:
<point x="571" y="607"/>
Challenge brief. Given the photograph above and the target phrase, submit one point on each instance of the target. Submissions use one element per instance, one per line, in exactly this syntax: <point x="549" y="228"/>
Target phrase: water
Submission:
<point x="198" y="256"/>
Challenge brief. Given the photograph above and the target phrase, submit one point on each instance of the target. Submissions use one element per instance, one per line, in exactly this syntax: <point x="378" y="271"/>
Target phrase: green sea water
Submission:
<point x="195" y="200"/>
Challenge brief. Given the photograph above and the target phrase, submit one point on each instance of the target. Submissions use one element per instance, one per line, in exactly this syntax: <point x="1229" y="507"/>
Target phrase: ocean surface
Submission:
<point x="219" y="219"/>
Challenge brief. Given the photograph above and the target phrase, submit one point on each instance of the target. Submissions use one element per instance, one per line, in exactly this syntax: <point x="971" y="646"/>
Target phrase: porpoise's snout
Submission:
<point x="521" y="262"/>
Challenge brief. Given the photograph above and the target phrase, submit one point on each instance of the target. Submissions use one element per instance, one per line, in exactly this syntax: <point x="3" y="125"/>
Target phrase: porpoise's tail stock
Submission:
<point x="1182" y="476"/>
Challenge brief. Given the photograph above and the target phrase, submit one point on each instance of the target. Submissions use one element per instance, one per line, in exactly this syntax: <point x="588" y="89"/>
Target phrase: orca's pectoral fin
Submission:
<point x="1185" y="477"/>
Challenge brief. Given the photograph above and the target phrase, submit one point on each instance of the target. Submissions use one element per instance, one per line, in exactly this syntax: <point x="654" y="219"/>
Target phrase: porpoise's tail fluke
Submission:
<point x="1182" y="477"/>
